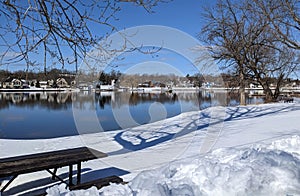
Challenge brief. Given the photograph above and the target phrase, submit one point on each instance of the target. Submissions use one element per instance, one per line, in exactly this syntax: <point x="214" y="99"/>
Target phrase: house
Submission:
<point x="146" y="84"/>
<point x="65" y="82"/>
<point x="25" y="84"/>
<point x="10" y="83"/>
<point x="7" y="83"/>
<point x="17" y="83"/>
<point x="255" y="86"/>
<point x="50" y="83"/>
<point x="107" y="87"/>
<point x="62" y="83"/>
<point x="43" y="84"/>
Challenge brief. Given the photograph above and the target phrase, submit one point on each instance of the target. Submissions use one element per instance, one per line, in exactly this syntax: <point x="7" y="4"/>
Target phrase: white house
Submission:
<point x="108" y="87"/>
<point x="62" y="83"/>
<point x="17" y="83"/>
<point x="255" y="86"/>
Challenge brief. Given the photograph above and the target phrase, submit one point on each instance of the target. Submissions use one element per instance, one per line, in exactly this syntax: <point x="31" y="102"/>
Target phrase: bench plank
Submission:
<point x="48" y="160"/>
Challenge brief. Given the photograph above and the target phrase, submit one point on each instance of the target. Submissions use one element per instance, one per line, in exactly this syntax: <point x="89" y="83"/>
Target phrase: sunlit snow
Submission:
<point x="248" y="150"/>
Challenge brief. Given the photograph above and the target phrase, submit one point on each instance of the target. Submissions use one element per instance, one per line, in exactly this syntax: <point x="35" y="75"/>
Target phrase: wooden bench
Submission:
<point x="15" y="166"/>
<point x="99" y="183"/>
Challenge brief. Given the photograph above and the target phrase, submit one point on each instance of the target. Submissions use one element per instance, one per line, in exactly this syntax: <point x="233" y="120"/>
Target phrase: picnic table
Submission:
<point x="15" y="166"/>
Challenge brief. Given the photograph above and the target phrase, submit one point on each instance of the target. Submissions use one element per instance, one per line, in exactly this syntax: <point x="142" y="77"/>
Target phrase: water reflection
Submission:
<point x="48" y="100"/>
<point x="117" y="99"/>
<point x="50" y="114"/>
<point x="201" y="99"/>
<point x="61" y="100"/>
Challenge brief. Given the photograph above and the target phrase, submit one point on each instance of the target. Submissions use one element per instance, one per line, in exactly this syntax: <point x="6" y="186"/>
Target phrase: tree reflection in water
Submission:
<point x="51" y="114"/>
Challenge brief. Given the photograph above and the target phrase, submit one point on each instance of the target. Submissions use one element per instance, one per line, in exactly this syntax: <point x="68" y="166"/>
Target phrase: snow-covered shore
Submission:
<point x="241" y="150"/>
<point x="272" y="169"/>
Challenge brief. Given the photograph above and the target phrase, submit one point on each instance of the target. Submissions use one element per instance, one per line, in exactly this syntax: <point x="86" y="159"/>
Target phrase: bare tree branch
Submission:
<point x="56" y="27"/>
<point x="244" y="39"/>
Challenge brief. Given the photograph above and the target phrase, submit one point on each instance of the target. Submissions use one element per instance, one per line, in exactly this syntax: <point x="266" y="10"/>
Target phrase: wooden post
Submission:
<point x="8" y="183"/>
<point x="54" y="173"/>
<point x="70" y="175"/>
<point x="242" y="87"/>
<point x="78" y="173"/>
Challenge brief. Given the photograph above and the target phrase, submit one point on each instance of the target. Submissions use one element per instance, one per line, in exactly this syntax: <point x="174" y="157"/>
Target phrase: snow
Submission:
<point x="272" y="169"/>
<point x="243" y="150"/>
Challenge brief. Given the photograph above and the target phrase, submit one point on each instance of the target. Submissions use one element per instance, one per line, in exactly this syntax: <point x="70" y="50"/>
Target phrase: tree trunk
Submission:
<point x="242" y="89"/>
<point x="269" y="95"/>
<point x="278" y="85"/>
<point x="268" y="92"/>
<point x="242" y="96"/>
<point x="277" y="92"/>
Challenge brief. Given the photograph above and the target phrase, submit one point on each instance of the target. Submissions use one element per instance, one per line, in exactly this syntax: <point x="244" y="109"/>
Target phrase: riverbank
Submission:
<point x="258" y="91"/>
<point x="37" y="90"/>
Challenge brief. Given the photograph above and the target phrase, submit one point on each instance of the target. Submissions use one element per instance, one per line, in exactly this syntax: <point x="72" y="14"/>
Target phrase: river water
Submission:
<point x="57" y="114"/>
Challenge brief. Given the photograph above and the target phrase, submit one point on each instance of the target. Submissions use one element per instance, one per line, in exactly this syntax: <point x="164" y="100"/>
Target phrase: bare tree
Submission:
<point x="245" y="41"/>
<point x="65" y="30"/>
<point x="223" y="33"/>
<point x="268" y="61"/>
<point x="270" y="67"/>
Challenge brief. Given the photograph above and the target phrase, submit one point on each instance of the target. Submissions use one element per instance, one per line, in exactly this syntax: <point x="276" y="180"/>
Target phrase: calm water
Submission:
<point x="48" y="115"/>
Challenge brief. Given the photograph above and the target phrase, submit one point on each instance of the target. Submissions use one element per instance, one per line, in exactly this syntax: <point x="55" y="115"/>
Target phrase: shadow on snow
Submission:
<point x="232" y="114"/>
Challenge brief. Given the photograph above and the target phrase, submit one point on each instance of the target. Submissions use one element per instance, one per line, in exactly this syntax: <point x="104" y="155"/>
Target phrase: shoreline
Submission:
<point x="37" y="90"/>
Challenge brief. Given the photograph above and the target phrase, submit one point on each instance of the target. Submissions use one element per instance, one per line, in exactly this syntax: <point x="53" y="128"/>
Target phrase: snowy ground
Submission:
<point x="251" y="150"/>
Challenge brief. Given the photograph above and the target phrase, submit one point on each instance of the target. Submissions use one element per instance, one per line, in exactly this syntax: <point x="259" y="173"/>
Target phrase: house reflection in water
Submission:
<point x="118" y="99"/>
<point x="43" y="99"/>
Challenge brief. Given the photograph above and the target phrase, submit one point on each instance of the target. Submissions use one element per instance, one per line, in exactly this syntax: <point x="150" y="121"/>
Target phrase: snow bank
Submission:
<point x="296" y="100"/>
<point x="263" y="169"/>
<point x="61" y="190"/>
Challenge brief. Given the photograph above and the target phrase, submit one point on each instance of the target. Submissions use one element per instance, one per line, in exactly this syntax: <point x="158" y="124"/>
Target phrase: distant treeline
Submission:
<point x="52" y="74"/>
<point x="225" y="79"/>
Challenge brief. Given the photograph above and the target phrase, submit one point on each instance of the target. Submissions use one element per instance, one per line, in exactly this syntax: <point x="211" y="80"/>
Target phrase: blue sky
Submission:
<point x="184" y="15"/>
